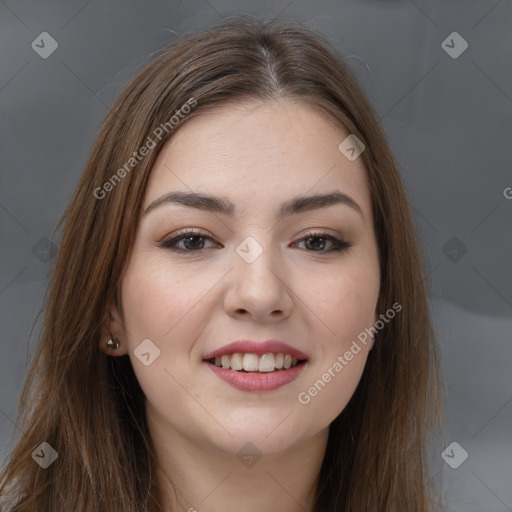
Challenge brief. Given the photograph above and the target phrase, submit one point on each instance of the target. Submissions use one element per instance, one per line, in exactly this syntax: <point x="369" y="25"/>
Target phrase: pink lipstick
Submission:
<point x="256" y="366"/>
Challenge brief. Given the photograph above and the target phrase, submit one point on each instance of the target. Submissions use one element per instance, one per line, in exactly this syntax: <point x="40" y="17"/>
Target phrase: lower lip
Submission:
<point x="257" y="382"/>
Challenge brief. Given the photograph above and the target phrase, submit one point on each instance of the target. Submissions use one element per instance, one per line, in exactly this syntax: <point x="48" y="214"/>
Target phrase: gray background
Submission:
<point x="449" y="123"/>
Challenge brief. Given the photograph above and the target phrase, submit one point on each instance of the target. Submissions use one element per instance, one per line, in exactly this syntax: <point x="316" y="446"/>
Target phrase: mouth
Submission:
<point x="254" y="366"/>
<point x="256" y="373"/>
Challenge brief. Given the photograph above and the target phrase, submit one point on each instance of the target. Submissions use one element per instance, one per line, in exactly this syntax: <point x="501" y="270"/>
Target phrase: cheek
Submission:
<point x="160" y="304"/>
<point x="354" y="307"/>
<point x="159" y="300"/>
<point x="328" y="393"/>
<point x="344" y="302"/>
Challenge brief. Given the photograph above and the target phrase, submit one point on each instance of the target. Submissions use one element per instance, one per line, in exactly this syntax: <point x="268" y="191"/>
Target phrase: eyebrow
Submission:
<point x="224" y="206"/>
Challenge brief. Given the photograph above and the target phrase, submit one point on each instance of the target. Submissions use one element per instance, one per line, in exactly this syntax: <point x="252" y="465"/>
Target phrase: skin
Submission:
<point x="257" y="155"/>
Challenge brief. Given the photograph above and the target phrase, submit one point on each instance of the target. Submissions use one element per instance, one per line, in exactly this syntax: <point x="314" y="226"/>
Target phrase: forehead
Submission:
<point x="258" y="154"/>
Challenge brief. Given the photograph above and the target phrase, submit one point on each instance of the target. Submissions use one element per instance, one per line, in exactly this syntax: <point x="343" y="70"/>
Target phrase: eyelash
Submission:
<point x="339" y="244"/>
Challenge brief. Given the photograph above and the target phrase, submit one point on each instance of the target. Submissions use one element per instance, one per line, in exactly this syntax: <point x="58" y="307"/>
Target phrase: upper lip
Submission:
<point x="256" y="347"/>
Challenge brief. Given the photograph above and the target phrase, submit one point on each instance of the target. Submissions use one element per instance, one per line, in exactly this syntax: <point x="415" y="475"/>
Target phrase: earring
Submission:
<point x="112" y="344"/>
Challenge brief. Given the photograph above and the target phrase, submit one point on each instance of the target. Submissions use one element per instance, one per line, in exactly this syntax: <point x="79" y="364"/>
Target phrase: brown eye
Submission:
<point x="316" y="242"/>
<point x="193" y="241"/>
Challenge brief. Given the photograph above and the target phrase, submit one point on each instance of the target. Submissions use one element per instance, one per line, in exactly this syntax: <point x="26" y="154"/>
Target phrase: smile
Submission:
<point x="276" y="370"/>
<point x="255" y="366"/>
<point x="255" y="363"/>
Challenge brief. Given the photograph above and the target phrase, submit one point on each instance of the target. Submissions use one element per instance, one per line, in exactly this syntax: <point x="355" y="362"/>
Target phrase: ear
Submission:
<point x="114" y="328"/>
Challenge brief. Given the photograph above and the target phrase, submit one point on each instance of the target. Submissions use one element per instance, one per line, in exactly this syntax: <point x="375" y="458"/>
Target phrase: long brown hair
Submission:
<point x="90" y="407"/>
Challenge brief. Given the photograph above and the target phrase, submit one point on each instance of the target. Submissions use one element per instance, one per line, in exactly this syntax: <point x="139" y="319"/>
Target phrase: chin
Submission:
<point x="271" y="432"/>
<point x="256" y="443"/>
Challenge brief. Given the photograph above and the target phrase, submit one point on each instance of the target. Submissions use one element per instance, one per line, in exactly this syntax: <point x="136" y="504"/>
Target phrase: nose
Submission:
<point x="260" y="289"/>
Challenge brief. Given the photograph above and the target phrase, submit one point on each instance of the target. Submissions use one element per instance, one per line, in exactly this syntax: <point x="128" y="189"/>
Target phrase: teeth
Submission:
<point x="236" y="362"/>
<point x="250" y="362"/>
<point x="265" y="363"/>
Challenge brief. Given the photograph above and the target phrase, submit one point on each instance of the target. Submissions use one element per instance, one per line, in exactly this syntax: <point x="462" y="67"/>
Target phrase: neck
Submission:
<point x="196" y="477"/>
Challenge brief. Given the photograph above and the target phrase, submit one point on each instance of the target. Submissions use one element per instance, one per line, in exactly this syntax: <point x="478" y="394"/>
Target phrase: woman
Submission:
<point x="237" y="317"/>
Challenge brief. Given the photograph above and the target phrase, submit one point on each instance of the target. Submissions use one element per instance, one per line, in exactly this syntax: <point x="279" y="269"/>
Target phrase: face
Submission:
<point x="252" y="264"/>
